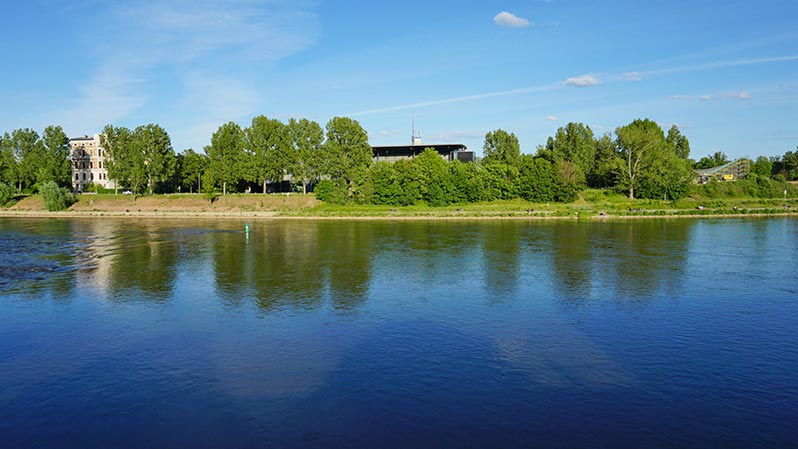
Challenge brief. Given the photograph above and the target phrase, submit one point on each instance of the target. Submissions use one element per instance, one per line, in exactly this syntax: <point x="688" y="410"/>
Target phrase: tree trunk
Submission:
<point x="264" y="185"/>
<point x="199" y="183"/>
<point x="224" y="188"/>
<point x="631" y="193"/>
<point x="305" y="186"/>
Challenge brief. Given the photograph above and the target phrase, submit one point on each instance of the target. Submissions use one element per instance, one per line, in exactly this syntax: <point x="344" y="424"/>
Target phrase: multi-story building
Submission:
<point x="88" y="163"/>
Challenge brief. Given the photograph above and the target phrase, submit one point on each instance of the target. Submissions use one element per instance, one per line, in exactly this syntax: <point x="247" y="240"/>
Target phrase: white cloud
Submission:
<point x="509" y="20"/>
<point x="706" y="98"/>
<point x="742" y="95"/>
<point x="552" y="118"/>
<point x="583" y="81"/>
<point x="680" y="97"/>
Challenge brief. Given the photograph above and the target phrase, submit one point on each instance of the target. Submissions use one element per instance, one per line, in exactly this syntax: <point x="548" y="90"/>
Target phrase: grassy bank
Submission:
<point x="591" y="204"/>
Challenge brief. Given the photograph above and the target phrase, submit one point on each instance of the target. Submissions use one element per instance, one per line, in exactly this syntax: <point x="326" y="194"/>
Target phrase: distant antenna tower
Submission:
<point x="414" y="139"/>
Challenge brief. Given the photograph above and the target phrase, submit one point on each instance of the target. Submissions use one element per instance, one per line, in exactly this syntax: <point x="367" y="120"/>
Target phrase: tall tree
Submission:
<point x="24" y="146"/>
<point x="157" y="161"/>
<point x="193" y="167"/>
<point x="606" y="165"/>
<point x="225" y="155"/>
<point x="347" y="152"/>
<point x="678" y="142"/>
<point x="8" y="164"/>
<point x="501" y="146"/>
<point x="639" y="145"/>
<point x="268" y="149"/>
<point x="55" y="165"/>
<point x="306" y="137"/>
<point x="763" y="167"/>
<point x="575" y="143"/>
<point x="117" y="142"/>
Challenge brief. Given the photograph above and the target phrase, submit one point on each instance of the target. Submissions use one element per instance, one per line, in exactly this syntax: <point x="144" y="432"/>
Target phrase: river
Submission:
<point x="289" y="333"/>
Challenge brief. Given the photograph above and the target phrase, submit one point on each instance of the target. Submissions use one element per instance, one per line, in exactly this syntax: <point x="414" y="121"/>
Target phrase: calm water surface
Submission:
<point x="153" y="333"/>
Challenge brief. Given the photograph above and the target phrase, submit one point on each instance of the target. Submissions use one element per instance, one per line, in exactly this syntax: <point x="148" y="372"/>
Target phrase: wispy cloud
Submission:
<point x="455" y="136"/>
<point x="230" y="42"/>
<point x="112" y="93"/>
<point x="717" y="65"/>
<point x="510" y="20"/>
<point x="552" y="118"/>
<point x="443" y="101"/>
<point x="632" y="76"/>
<point x="742" y="95"/>
<point x="583" y="81"/>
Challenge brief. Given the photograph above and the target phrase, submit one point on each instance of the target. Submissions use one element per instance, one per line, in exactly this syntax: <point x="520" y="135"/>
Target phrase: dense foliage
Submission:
<point x="638" y="159"/>
<point x="56" y="198"/>
<point x="6" y="194"/>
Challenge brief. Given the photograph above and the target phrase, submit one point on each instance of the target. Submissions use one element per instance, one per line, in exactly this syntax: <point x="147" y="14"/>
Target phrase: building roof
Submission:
<point x="720" y="168"/>
<point x="412" y="150"/>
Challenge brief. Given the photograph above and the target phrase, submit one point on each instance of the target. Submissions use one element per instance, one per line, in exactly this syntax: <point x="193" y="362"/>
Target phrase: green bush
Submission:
<point x="6" y="193"/>
<point x="323" y="190"/>
<point x="56" y="198"/>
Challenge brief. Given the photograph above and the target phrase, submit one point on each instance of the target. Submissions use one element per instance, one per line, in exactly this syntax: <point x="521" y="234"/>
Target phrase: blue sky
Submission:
<point x="726" y="72"/>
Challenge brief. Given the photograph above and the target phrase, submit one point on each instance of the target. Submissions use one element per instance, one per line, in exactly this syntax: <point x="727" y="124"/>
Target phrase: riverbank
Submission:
<point x="591" y="205"/>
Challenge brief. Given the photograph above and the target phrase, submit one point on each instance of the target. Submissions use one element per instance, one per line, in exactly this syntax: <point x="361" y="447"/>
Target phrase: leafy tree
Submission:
<point x="383" y="184"/>
<point x="668" y="178"/>
<point x="537" y="180"/>
<point x="156" y="163"/>
<point x="6" y="194"/>
<point x="8" y="164"/>
<point x="678" y="142"/>
<point x="192" y="168"/>
<point x="501" y="146"/>
<point x="119" y="154"/>
<point x="574" y="143"/>
<point x="226" y="154"/>
<point x="268" y="150"/>
<point x="54" y="164"/>
<point x="639" y="144"/>
<point x="763" y="166"/>
<point x="24" y="146"/>
<point x="56" y="198"/>
<point x="788" y="166"/>
<point x="306" y="138"/>
<point x="432" y="175"/>
<point x="606" y="165"/>
<point x="499" y="180"/>
<point x="347" y="153"/>
<point x="714" y="160"/>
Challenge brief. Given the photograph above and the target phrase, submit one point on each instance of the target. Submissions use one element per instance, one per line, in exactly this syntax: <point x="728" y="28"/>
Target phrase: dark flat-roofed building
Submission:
<point x="448" y="151"/>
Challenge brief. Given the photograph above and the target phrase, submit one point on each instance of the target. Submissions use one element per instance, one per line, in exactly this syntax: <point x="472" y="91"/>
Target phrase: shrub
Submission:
<point x="56" y="198"/>
<point x="6" y="193"/>
<point x="323" y="190"/>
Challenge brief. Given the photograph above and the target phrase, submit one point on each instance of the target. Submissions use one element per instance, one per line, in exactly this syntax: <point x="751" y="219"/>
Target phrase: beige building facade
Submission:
<point x="88" y="163"/>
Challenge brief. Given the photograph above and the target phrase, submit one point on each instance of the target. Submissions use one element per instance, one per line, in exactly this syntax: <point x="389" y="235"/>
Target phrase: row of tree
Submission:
<point x="640" y="159"/>
<point x="28" y="160"/>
